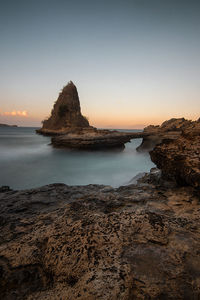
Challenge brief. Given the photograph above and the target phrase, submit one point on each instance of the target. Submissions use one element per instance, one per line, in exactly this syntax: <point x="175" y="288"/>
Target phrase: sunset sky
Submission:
<point x="134" y="62"/>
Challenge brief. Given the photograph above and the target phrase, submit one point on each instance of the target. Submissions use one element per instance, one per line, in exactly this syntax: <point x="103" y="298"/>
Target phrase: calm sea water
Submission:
<point x="27" y="160"/>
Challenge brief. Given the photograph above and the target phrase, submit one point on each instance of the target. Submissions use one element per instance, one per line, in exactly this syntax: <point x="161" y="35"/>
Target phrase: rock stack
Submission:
<point x="66" y="113"/>
<point x="72" y="130"/>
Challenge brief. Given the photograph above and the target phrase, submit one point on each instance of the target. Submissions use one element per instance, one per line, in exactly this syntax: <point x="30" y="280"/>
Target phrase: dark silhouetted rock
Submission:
<point x="72" y="130"/>
<point x="6" y="125"/>
<point x="66" y="113"/>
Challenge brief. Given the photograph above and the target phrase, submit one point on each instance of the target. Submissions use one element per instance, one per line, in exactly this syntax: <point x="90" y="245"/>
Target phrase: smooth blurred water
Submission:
<point x="27" y="160"/>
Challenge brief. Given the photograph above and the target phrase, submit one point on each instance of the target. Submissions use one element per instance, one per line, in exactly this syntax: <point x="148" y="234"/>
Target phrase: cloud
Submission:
<point x="22" y="113"/>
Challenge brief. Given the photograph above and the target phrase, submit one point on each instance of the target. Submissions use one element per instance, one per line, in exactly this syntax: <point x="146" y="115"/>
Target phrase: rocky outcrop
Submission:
<point x="139" y="241"/>
<point x="71" y="130"/>
<point x="154" y="135"/>
<point x="96" y="242"/>
<point x="94" y="139"/>
<point x="180" y="159"/>
<point x="66" y="113"/>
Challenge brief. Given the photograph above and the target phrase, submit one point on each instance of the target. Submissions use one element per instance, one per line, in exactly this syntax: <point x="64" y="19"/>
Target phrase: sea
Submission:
<point x="27" y="160"/>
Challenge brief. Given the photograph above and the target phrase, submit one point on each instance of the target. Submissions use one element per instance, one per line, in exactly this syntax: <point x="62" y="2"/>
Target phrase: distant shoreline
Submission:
<point x="7" y="125"/>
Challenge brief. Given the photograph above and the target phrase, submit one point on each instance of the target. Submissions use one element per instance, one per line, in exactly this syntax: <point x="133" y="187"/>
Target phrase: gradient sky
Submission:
<point x="134" y="62"/>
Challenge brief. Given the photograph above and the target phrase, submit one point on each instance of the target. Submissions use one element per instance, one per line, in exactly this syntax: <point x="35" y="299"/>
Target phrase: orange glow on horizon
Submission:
<point x="99" y="120"/>
<point x="125" y="123"/>
<point x="22" y="113"/>
<point x="137" y="122"/>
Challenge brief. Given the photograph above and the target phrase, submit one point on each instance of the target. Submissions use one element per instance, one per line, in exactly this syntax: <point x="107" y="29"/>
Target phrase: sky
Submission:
<point x="134" y="62"/>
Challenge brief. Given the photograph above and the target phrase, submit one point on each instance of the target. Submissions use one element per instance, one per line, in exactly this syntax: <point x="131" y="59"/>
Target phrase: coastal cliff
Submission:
<point x="179" y="159"/>
<point x="139" y="241"/>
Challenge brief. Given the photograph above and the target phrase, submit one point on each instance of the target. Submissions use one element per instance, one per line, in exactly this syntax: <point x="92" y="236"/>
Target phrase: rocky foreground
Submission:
<point x="95" y="242"/>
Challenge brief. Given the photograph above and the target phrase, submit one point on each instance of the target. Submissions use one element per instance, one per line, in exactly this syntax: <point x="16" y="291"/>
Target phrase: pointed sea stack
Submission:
<point x="66" y="113"/>
<point x="72" y="130"/>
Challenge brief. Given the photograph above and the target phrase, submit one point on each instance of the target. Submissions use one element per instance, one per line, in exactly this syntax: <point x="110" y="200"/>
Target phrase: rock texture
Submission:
<point x="66" y="113"/>
<point x="180" y="159"/>
<point x="96" y="242"/>
<point x="139" y="241"/>
<point x="154" y="135"/>
<point x="94" y="139"/>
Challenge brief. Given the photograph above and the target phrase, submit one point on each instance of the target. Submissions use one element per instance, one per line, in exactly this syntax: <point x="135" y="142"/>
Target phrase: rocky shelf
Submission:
<point x="95" y="139"/>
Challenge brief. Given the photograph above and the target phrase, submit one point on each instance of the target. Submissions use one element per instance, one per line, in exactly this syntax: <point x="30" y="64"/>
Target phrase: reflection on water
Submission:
<point x="27" y="160"/>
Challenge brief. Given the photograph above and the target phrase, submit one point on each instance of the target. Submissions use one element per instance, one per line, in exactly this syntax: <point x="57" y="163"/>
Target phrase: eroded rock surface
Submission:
<point x="139" y="241"/>
<point x="96" y="242"/>
<point x="180" y="159"/>
<point x="94" y="139"/>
